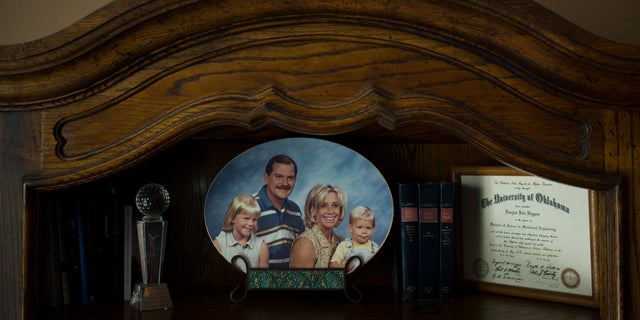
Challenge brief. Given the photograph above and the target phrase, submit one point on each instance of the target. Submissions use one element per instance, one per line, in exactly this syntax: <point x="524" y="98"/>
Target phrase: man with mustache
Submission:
<point x="281" y="220"/>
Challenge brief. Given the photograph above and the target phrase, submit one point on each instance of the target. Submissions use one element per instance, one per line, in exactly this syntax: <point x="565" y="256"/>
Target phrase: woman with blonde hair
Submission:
<point x="324" y="209"/>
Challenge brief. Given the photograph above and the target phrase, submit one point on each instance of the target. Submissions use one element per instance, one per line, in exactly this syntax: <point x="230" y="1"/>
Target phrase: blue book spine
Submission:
<point x="447" y="244"/>
<point x="429" y="230"/>
<point x="82" y="256"/>
<point x="408" y="207"/>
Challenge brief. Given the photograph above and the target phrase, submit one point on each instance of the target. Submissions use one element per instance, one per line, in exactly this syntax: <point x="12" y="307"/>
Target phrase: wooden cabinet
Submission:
<point x="483" y="82"/>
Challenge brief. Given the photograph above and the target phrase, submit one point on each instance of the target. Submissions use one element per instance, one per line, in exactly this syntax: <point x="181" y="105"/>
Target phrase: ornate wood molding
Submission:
<point x="122" y="39"/>
<point x="322" y="74"/>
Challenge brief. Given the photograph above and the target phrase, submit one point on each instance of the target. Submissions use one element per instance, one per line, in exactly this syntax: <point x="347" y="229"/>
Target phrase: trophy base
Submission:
<point x="146" y="297"/>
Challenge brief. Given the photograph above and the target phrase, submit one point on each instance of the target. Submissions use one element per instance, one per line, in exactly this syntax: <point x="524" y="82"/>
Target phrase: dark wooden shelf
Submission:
<point x="377" y="303"/>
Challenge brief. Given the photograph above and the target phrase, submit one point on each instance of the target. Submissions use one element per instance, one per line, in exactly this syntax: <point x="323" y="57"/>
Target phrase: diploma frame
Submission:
<point x="596" y="202"/>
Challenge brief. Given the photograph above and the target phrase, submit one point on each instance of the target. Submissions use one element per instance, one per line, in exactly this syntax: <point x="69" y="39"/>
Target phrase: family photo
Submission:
<point x="299" y="203"/>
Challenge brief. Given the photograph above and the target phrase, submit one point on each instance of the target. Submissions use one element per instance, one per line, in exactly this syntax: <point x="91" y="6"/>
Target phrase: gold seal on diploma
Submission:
<point x="570" y="278"/>
<point x="480" y="268"/>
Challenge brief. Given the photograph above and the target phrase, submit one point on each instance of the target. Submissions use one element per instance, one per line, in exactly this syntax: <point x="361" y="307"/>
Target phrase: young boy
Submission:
<point x="362" y="224"/>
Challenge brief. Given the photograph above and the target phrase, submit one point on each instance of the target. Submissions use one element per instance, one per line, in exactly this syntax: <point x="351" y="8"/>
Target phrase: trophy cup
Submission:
<point x="152" y="200"/>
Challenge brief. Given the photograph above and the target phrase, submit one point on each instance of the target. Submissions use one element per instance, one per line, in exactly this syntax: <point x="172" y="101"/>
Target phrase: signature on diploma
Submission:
<point x="544" y="271"/>
<point x="514" y="271"/>
<point x="507" y="270"/>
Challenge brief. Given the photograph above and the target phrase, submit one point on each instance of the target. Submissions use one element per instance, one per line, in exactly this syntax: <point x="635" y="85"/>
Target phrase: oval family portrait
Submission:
<point x="298" y="203"/>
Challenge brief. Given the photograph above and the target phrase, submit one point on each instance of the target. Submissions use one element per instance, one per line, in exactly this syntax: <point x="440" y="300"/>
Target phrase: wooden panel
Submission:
<point x="326" y="87"/>
<point x="623" y="157"/>
<point x="478" y="70"/>
<point x="19" y="137"/>
<point x="514" y="82"/>
<point x="633" y="216"/>
<point x="324" y="78"/>
<point x="104" y="45"/>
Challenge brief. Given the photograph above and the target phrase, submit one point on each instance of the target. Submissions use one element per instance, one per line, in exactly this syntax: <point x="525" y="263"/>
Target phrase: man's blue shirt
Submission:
<point x="279" y="228"/>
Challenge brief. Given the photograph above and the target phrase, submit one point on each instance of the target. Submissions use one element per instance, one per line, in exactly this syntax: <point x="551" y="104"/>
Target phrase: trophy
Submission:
<point x="151" y="200"/>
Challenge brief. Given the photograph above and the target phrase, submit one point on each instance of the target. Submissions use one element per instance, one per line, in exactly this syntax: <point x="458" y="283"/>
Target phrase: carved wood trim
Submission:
<point x="322" y="76"/>
<point x="520" y="35"/>
<point x="507" y="76"/>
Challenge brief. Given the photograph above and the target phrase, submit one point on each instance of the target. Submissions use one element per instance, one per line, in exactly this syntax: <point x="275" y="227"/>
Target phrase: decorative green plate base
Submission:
<point x="296" y="279"/>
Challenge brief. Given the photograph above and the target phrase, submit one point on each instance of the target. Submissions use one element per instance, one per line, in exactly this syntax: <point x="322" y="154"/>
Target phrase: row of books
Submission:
<point x="91" y="256"/>
<point x="427" y="253"/>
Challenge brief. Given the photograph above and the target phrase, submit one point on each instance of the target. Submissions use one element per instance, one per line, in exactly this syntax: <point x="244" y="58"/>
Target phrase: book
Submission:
<point x="114" y="257"/>
<point x="63" y="251"/>
<point x="105" y="224"/>
<point x="429" y="243"/>
<point x="93" y="240"/>
<point x="407" y="195"/>
<point x="52" y="291"/>
<point x="447" y="235"/>
<point x="95" y="255"/>
<point x="82" y="254"/>
<point x="69" y="248"/>
<point x="129" y="242"/>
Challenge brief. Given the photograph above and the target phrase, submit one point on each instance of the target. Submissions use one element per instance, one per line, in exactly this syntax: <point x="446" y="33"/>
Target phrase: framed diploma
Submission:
<point x="526" y="236"/>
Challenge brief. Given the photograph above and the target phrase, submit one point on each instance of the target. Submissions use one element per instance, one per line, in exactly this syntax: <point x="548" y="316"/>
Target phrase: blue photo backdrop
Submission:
<point x="318" y="161"/>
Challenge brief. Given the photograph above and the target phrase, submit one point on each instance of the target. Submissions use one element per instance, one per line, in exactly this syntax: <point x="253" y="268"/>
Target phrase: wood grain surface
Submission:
<point x="416" y="86"/>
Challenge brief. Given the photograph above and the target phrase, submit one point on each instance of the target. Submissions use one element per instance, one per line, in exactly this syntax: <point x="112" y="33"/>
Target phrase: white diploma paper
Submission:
<point x="526" y="231"/>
